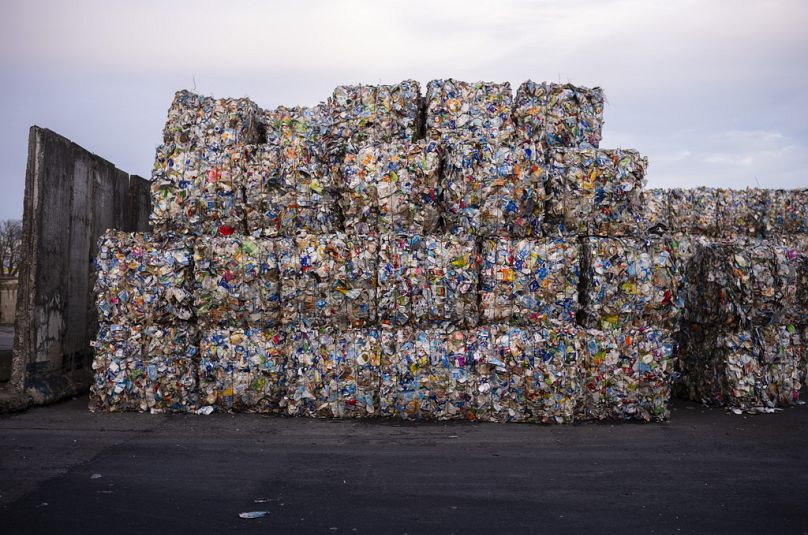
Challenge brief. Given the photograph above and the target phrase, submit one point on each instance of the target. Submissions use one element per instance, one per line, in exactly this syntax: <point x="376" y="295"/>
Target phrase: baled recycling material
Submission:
<point x="198" y="123"/>
<point x="627" y="281"/>
<point x="529" y="281"/>
<point x="426" y="279"/>
<point x="237" y="280"/>
<point x="595" y="192"/>
<point x="392" y="188"/>
<point x="287" y="191"/>
<point x="752" y="370"/>
<point x="148" y="369"/>
<point x="559" y="115"/>
<point x="462" y="112"/>
<point x="243" y="370"/>
<point x="467" y="254"/>
<point x="745" y="284"/>
<point x="329" y="279"/>
<point x="143" y="281"/>
<point x="493" y="190"/>
<point x="626" y="374"/>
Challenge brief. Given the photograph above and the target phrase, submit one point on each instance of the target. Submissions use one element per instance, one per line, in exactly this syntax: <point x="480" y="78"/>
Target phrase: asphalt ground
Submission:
<point x="66" y="470"/>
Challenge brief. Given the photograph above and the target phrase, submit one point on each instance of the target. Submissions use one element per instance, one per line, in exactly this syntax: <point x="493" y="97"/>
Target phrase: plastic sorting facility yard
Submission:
<point x="456" y="253"/>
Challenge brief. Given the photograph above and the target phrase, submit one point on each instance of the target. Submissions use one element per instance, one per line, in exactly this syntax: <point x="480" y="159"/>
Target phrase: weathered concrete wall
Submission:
<point x="71" y="197"/>
<point x="8" y="299"/>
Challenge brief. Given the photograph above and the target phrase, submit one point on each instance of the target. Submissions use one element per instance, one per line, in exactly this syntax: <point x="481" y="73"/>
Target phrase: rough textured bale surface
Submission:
<point x="625" y="374"/>
<point x="237" y="280"/>
<point x="331" y="279"/>
<point x="391" y="187"/>
<point x="595" y="192"/>
<point x="631" y="282"/>
<point x="147" y="369"/>
<point x="752" y="370"/>
<point x="142" y="280"/>
<point x="462" y="111"/>
<point x="559" y="115"/>
<point x="427" y="280"/>
<point x="493" y="190"/>
<point x="529" y="281"/>
<point x="243" y="370"/>
<point x="744" y="284"/>
<point x="693" y="211"/>
<point x="333" y="373"/>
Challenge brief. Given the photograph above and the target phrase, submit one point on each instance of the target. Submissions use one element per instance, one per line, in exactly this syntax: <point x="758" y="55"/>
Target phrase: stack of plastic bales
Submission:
<point x="742" y="344"/>
<point x="145" y="349"/>
<point x="465" y="256"/>
<point x="195" y="181"/>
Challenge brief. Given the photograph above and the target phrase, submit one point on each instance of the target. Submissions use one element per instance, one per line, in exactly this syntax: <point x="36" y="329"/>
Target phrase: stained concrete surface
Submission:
<point x="65" y="470"/>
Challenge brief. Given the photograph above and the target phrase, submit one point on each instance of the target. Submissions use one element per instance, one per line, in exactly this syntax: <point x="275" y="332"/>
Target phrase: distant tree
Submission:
<point x="10" y="246"/>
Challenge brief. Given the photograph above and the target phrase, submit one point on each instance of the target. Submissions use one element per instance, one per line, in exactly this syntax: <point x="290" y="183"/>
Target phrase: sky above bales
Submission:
<point x="714" y="92"/>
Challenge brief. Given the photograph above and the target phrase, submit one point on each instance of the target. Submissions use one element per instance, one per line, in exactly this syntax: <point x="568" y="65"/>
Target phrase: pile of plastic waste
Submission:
<point x="465" y="254"/>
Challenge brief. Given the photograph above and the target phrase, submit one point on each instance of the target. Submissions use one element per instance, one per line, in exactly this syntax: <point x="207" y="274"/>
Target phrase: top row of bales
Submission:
<point x="550" y="115"/>
<point x="727" y="213"/>
<point x="466" y="159"/>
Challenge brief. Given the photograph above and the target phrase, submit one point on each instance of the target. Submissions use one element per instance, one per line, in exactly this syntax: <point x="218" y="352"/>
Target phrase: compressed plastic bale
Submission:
<point x="751" y="370"/>
<point x="391" y="188"/>
<point x="298" y="125"/>
<point x="693" y="211"/>
<point x="243" y="370"/>
<point x="197" y="192"/>
<point x="360" y="114"/>
<point x="631" y="282"/>
<point x="741" y="213"/>
<point x="655" y="210"/>
<point x="462" y="111"/>
<point x="744" y="283"/>
<point x="237" y="280"/>
<point x="529" y="281"/>
<point x="595" y="192"/>
<point x="331" y="279"/>
<point x="142" y="280"/>
<point x="626" y="374"/>
<point x="560" y="115"/>
<point x="788" y="212"/>
<point x="333" y="373"/>
<point x="427" y="279"/>
<point x="146" y="369"/>
<point x="287" y="191"/>
<point x="524" y="374"/>
<point x="196" y="121"/>
<point x="494" y="189"/>
<point x="426" y="374"/>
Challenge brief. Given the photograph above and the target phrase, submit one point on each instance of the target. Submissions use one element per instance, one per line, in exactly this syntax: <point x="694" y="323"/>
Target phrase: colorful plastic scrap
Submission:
<point x="461" y="111"/>
<point x="693" y="211"/>
<point x="243" y="370"/>
<point x="494" y="190"/>
<point x="529" y="281"/>
<point x="631" y="282"/>
<point x="237" y="280"/>
<point x="751" y="370"/>
<point x="391" y="187"/>
<point x="625" y="374"/>
<point x="788" y="212"/>
<point x="595" y="192"/>
<point x="196" y="122"/>
<point x="331" y="279"/>
<point x="333" y="373"/>
<point x="141" y="280"/>
<point x="559" y="115"/>
<point x="744" y="283"/>
<point x="427" y="279"/>
<point x="146" y="369"/>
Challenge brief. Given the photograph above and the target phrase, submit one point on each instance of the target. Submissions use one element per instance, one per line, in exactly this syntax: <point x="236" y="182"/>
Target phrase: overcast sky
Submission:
<point x="713" y="92"/>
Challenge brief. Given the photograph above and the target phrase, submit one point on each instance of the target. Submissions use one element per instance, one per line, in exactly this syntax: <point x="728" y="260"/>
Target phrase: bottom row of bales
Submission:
<point x="500" y="373"/>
